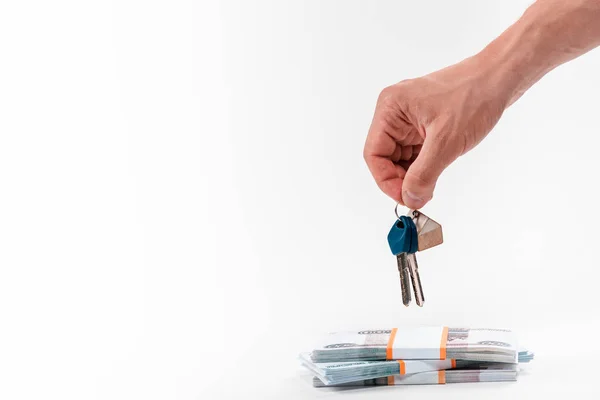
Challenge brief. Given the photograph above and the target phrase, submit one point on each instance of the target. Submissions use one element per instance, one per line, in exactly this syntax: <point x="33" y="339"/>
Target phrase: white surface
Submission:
<point x="175" y="173"/>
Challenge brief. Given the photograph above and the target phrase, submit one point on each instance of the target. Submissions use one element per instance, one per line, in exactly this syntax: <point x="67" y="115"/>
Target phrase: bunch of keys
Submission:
<point x="409" y="234"/>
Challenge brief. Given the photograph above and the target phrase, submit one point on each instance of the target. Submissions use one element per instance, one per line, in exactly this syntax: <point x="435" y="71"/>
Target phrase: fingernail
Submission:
<point x="413" y="196"/>
<point x="414" y="200"/>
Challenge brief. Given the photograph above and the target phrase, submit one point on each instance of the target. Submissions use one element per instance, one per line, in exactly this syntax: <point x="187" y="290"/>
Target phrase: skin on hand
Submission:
<point x="422" y="125"/>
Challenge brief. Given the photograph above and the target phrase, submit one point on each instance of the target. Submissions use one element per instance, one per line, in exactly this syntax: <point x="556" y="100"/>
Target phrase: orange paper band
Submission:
<point x="402" y="367"/>
<point x="443" y="343"/>
<point x="388" y="351"/>
<point x="390" y="380"/>
<point x="453" y="363"/>
<point x="441" y="377"/>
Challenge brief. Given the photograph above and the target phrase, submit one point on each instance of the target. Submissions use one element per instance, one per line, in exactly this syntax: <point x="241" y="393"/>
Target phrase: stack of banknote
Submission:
<point x="415" y="355"/>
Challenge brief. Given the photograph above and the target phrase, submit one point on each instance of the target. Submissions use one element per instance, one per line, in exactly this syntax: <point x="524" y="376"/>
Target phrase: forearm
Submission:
<point x="549" y="33"/>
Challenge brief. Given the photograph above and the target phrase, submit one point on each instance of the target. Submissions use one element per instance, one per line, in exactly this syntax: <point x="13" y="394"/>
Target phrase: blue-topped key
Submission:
<point x="414" y="242"/>
<point x="400" y="237"/>
<point x="409" y="234"/>
<point x="403" y="240"/>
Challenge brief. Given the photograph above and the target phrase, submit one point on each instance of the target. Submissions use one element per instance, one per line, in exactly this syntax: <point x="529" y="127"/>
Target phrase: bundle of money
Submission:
<point x="410" y="343"/>
<point x="487" y="372"/>
<point x="336" y="373"/>
<point x="415" y="355"/>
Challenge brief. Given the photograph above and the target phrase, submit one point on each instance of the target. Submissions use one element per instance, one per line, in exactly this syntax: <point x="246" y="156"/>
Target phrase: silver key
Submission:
<point x="429" y="235"/>
<point x="413" y="269"/>
<point x="404" y="278"/>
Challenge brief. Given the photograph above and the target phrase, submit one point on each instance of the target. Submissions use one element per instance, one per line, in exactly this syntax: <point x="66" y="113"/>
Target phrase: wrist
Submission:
<point x="548" y="34"/>
<point x="515" y="61"/>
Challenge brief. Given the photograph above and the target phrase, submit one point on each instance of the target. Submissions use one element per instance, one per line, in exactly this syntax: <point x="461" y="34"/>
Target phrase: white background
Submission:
<point x="184" y="205"/>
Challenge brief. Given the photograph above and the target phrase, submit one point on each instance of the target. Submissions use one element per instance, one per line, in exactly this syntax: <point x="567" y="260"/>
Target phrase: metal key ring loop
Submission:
<point x="396" y="210"/>
<point x="415" y="213"/>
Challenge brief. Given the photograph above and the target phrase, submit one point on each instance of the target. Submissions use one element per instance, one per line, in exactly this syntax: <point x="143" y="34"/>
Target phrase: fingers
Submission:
<point x="381" y="152"/>
<point x="388" y="176"/>
<point x="392" y="143"/>
<point x="404" y="153"/>
<point x="422" y="175"/>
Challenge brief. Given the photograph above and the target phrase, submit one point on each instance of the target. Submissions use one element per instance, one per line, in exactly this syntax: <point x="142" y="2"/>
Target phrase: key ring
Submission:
<point x="415" y="213"/>
<point x="396" y="210"/>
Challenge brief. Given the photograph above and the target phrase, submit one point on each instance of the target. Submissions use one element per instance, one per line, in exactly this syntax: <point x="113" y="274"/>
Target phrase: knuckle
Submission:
<point x="365" y="155"/>
<point x="418" y="179"/>
<point x="389" y="108"/>
<point x="387" y="97"/>
<point x="386" y="92"/>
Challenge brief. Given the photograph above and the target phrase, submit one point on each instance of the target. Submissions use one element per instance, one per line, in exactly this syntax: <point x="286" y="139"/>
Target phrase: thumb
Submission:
<point x="422" y="175"/>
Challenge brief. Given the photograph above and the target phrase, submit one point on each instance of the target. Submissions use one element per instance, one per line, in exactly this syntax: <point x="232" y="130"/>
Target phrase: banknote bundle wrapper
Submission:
<point x="415" y="355"/>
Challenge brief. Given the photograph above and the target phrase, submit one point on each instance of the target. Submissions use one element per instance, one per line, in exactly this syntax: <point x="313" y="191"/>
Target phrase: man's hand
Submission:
<point x="422" y="125"/>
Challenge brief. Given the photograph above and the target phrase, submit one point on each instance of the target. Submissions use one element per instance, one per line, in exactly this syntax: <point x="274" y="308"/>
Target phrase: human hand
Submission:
<point x="422" y="125"/>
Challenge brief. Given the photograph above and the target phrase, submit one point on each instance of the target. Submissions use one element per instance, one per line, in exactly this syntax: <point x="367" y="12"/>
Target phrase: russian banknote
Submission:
<point x="471" y="344"/>
<point x="342" y="372"/>
<point x="484" y="372"/>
